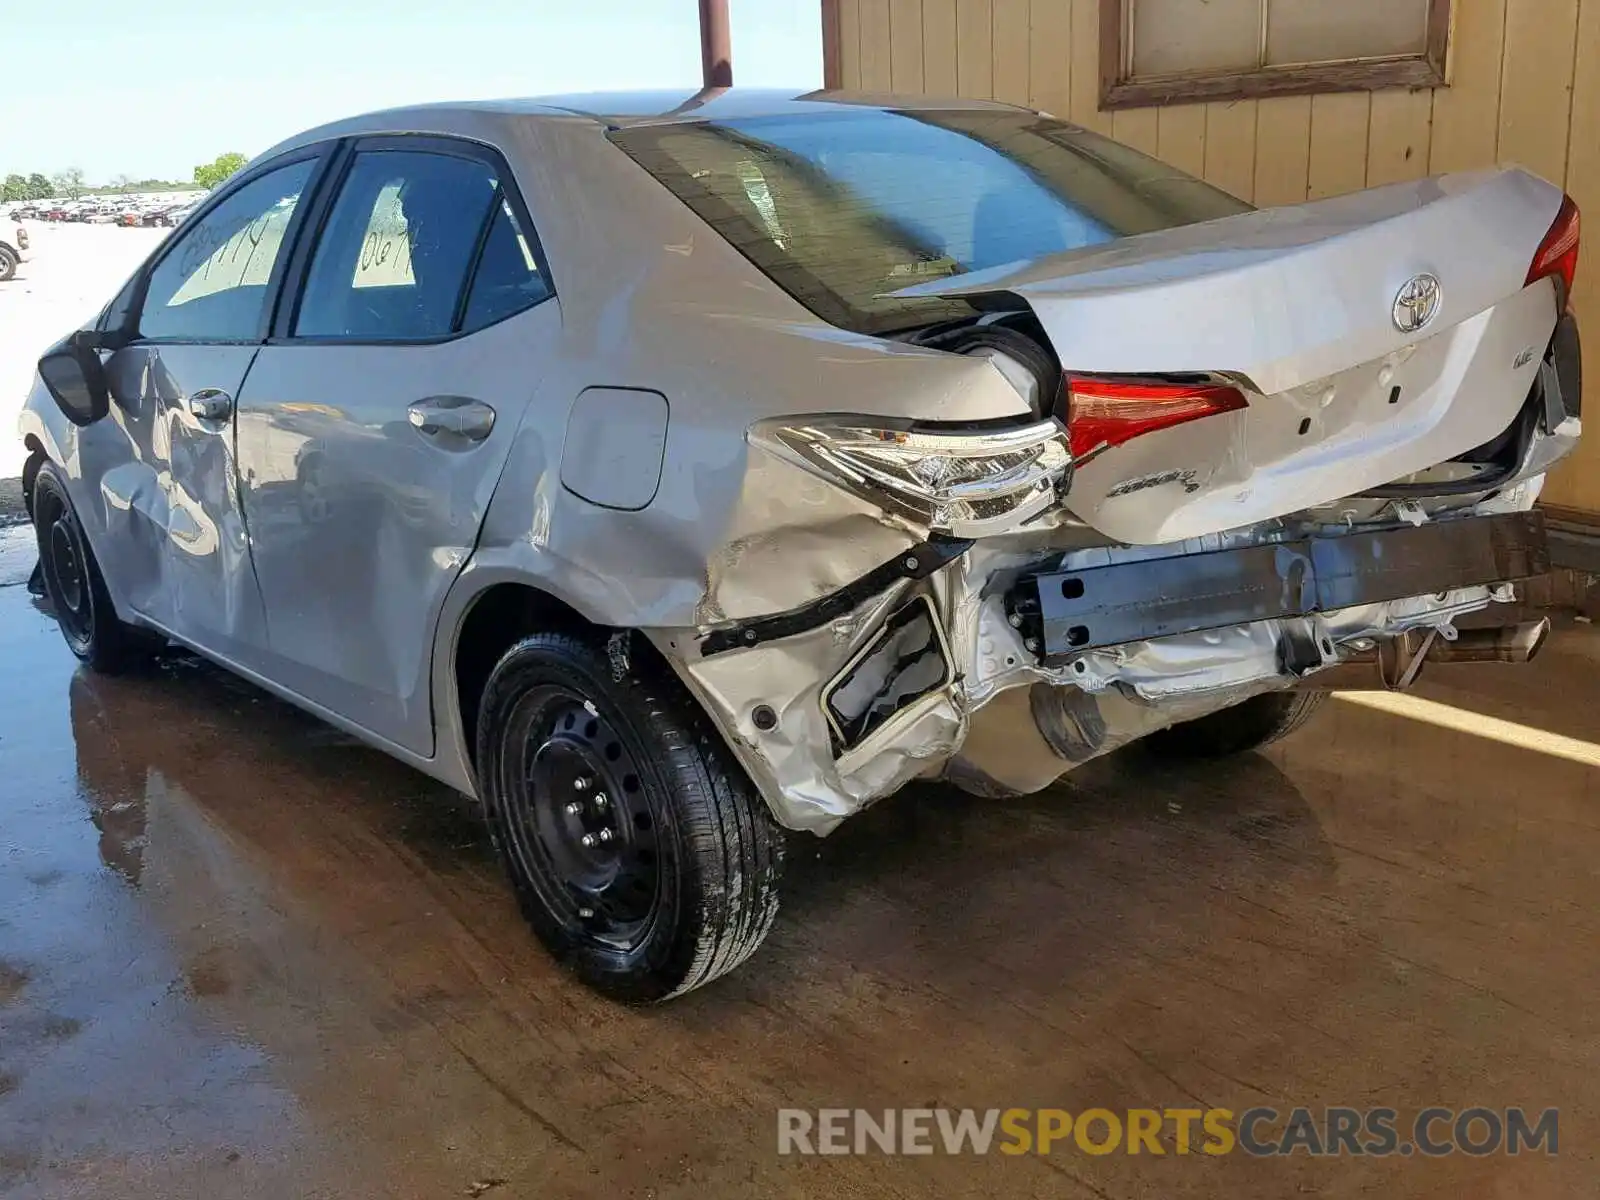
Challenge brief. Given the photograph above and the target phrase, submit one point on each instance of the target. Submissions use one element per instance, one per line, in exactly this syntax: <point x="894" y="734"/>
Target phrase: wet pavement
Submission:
<point x="242" y="956"/>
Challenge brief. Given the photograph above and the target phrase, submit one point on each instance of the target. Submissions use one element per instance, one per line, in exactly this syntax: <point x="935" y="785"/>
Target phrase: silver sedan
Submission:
<point x="668" y="473"/>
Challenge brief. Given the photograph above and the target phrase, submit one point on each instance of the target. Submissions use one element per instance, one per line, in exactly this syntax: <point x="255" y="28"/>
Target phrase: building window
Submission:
<point x="1172" y="51"/>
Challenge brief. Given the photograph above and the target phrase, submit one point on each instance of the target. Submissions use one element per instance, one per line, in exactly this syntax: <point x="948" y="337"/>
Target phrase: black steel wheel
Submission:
<point x="75" y="588"/>
<point x="639" y="851"/>
<point x="581" y="821"/>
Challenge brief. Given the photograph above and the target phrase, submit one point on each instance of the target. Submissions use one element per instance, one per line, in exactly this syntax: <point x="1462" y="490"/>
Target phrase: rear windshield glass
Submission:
<point x="841" y="208"/>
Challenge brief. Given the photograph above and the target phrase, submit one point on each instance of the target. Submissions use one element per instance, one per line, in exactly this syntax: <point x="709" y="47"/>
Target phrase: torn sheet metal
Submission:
<point x="810" y="780"/>
<point x="814" y="778"/>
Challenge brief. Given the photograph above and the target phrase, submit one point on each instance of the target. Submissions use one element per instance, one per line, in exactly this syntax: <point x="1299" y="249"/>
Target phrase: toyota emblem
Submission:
<point x="1417" y="303"/>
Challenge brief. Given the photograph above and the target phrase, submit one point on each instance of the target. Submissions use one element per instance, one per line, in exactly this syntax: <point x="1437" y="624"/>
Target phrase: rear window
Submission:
<point x="842" y="208"/>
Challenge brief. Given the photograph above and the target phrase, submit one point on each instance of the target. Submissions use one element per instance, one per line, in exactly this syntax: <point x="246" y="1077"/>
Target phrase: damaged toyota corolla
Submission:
<point x="669" y="473"/>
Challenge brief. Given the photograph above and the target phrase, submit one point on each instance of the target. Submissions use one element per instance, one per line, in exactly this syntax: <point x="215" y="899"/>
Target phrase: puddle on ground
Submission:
<point x="18" y="552"/>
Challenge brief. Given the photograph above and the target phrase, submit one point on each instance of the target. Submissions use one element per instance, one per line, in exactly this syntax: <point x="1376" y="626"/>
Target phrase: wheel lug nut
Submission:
<point x="580" y="784"/>
<point x="600" y="800"/>
<point x="588" y="840"/>
<point x="604" y="835"/>
<point x="586" y="913"/>
<point x="574" y="808"/>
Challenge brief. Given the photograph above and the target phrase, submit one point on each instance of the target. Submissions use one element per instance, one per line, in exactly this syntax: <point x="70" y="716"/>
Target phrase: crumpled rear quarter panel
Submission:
<point x="652" y="298"/>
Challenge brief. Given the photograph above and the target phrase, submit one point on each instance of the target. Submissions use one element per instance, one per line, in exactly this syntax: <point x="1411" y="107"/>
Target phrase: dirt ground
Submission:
<point x="242" y="956"/>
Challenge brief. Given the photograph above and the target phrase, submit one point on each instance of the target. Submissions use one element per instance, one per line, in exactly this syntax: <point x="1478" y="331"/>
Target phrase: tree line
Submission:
<point x="70" y="185"/>
<point x="28" y="187"/>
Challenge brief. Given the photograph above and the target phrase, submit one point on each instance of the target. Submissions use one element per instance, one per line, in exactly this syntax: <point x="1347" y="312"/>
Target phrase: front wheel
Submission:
<point x="8" y="264"/>
<point x="640" y="853"/>
<point x="75" y="587"/>
<point x="1245" y="726"/>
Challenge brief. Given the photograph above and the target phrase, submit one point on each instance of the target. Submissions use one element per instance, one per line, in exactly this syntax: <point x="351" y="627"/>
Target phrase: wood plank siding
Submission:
<point x="1524" y="88"/>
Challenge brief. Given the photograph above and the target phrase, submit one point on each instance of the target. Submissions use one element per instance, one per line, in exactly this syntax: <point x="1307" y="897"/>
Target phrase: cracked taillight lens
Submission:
<point x="966" y="483"/>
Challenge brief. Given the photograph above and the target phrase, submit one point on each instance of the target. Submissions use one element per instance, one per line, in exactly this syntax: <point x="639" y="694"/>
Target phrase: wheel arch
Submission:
<point x="37" y="457"/>
<point x="489" y="610"/>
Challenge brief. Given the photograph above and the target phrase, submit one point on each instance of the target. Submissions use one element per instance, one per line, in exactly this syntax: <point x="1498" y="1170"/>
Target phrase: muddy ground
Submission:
<point x="243" y="956"/>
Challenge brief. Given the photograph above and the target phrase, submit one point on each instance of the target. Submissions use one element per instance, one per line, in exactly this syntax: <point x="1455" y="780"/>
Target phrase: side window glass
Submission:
<point x="508" y="278"/>
<point x="213" y="282"/>
<point x="394" y="257"/>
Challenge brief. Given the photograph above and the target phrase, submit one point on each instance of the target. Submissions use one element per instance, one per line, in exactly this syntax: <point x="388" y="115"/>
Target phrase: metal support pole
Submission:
<point x="716" y="44"/>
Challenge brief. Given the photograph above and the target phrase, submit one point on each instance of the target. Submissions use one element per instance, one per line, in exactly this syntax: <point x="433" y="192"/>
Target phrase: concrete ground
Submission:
<point x="241" y="956"/>
<point x="71" y="272"/>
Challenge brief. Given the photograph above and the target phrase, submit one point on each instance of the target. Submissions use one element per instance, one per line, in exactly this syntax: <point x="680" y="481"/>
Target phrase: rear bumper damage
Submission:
<point x="1002" y="663"/>
<point x="1069" y="611"/>
<point x="1057" y="630"/>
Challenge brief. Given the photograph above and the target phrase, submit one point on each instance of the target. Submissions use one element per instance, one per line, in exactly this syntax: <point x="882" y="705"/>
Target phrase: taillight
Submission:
<point x="1558" y="253"/>
<point x="962" y="482"/>
<point x="1108" y="412"/>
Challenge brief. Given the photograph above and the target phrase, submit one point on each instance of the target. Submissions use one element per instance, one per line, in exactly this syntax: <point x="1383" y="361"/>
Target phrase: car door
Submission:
<point x="373" y="428"/>
<point x="204" y="309"/>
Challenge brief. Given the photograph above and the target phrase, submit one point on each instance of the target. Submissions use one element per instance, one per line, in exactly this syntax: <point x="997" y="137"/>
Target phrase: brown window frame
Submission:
<point x="1117" y="90"/>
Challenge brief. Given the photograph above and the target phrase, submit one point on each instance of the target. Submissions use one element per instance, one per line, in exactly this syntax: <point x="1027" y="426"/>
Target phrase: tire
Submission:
<point x="76" y="589"/>
<point x="8" y="264"/>
<point x="1249" y="725"/>
<point x="684" y="885"/>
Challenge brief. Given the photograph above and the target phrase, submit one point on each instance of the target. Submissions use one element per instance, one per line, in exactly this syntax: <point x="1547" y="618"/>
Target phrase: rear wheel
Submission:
<point x="8" y="263"/>
<point x="75" y="587"/>
<point x="640" y="853"/>
<point x="1245" y="726"/>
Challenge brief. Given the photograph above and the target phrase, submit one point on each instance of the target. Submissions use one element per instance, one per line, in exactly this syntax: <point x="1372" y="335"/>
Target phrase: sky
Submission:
<point x="149" y="89"/>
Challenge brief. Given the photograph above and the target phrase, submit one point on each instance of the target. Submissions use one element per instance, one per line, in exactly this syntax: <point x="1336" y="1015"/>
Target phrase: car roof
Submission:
<point x="621" y="109"/>
<point x="618" y="109"/>
<point x="728" y="104"/>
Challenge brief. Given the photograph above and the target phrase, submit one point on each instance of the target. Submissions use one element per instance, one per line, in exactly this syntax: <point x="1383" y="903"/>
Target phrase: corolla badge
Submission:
<point x="1417" y="303"/>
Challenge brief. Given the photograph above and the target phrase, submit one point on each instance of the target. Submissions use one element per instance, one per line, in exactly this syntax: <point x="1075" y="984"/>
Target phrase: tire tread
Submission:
<point x="729" y="841"/>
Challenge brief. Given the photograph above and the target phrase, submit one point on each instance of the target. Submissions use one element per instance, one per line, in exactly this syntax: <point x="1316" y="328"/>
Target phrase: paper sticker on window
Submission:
<point x="385" y="259"/>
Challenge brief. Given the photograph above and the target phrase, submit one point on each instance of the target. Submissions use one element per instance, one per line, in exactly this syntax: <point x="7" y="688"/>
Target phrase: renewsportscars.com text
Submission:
<point x="1260" y="1132"/>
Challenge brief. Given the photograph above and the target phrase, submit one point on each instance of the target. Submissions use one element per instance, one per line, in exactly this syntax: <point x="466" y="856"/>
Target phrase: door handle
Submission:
<point x="455" y="416"/>
<point x="210" y="404"/>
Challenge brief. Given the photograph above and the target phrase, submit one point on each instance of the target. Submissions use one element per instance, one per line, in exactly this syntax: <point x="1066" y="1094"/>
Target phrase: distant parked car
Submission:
<point x="166" y="216"/>
<point x="13" y="252"/>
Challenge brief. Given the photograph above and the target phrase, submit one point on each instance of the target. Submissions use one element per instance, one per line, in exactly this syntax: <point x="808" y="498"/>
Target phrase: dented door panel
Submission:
<point x="362" y="513"/>
<point x="175" y="534"/>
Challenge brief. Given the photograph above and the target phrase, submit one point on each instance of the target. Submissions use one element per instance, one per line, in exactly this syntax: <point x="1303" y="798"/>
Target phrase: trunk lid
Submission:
<point x="1298" y="305"/>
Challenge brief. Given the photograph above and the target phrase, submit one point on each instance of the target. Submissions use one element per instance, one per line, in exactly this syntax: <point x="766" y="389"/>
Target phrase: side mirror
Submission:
<point x="72" y="371"/>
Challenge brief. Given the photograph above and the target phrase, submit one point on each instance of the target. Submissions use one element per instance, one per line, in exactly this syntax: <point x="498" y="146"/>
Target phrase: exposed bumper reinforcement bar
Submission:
<point x="1071" y="611"/>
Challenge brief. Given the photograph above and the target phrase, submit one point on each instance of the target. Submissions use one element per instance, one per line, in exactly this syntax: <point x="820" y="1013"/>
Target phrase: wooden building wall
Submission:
<point x="1525" y="88"/>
